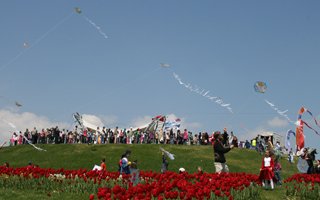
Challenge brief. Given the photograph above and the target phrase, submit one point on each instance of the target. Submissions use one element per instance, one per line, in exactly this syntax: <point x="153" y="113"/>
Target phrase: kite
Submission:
<point x="14" y="127"/>
<point x="28" y="46"/>
<point x="287" y="139"/>
<point x="203" y="92"/>
<point x="170" y="155"/>
<point x="164" y="65"/>
<point x="172" y="124"/>
<point x="260" y="87"/>
<point x="18" y="104"/>
<point x="10" y="101"/>
<point x="302" y="165"/>
<point x="25" y="44"/>
<point x="299" y="129"/>
<point x="77" y="10"/>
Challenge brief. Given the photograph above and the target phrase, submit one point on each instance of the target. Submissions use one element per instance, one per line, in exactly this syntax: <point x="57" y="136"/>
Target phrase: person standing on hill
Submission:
<point x="165" y="163"/>
<point x="267" y="170"/>
<point x="219" y="151"/>
<point x="124" y="163"/>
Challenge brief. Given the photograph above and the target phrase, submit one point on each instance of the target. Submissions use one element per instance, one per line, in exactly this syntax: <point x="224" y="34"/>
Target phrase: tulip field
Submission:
<point x="71" y="176"/>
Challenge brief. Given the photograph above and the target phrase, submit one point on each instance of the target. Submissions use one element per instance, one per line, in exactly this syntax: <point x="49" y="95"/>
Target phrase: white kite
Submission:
<point x="15" y="128"/>
<point x="164" y="65"/>
<point x="170" y="155"/>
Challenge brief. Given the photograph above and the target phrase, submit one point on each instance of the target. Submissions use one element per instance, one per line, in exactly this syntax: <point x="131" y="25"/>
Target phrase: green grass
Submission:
<point x="148" y="156"/>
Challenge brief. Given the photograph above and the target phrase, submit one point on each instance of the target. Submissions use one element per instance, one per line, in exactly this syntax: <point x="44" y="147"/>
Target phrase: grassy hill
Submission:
<point x="148" y="156"/>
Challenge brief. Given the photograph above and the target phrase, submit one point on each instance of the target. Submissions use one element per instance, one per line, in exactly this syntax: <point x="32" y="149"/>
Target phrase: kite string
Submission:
<point x="36" y="42"/>
<point x="143" y="75"/>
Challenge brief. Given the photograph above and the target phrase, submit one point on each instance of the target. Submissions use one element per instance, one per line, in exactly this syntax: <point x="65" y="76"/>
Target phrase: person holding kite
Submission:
<point x="219" y="151"/>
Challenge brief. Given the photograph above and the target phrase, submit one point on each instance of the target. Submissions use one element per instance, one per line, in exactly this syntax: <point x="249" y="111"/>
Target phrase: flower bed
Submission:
<point x="186" y="186"/>
<point x="151" y="185"/>
<point x="304" y="186"/>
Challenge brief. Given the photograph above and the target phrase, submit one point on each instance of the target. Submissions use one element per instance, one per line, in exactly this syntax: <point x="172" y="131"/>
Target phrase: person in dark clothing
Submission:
<point x="56" y="134"/>
<point x="310" y="157"/>
<point x="225" y="137"/>
<point x="219" y="151"/>
<point x="247" y="144"/>
<point x="165" y="163"/>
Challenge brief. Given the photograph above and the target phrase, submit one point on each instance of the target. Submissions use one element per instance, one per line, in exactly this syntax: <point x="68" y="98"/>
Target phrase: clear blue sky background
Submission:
<point x="221" y="46"/>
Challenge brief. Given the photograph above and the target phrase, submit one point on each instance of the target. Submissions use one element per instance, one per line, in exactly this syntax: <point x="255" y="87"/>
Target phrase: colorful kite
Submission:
<point x="260" y="87"/>
<point x="300" y="123"/>
<point x="172" y="124"/>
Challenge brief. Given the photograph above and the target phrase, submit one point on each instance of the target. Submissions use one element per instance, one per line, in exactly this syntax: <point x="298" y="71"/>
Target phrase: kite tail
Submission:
<point x="300" y="113"/>
<point x="310" y="127"/>
<point x="34" y="146"/>
<point x="315" y="120"/>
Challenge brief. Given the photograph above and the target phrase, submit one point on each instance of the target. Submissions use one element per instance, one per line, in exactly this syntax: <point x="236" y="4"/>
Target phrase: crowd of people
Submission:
<point x="111" y="136"/>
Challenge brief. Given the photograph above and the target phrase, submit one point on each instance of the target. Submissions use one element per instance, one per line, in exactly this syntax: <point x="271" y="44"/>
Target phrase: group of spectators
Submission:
<point x="110" y="136"/>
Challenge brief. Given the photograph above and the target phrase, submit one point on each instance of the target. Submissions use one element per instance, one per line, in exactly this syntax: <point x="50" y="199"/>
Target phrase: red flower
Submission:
<point x="91" y="197"/>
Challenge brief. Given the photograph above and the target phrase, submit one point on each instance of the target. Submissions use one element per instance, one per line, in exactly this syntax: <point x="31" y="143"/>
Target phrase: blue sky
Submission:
<point x="220" y="46"/>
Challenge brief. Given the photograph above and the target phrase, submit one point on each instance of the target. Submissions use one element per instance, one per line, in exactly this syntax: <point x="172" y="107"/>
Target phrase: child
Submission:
<point x="124" y="163"/>
<point x="290" y="156"/>
<point x="103" y="165"/>
<point x="165" y="163"/>
<point x="277" y="171"/>
<point x="266" y="170"/>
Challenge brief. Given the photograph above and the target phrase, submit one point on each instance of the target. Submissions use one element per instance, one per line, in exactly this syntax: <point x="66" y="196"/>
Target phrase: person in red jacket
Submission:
<point x="266" y="170"/>
<point x="103" y="165"/>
